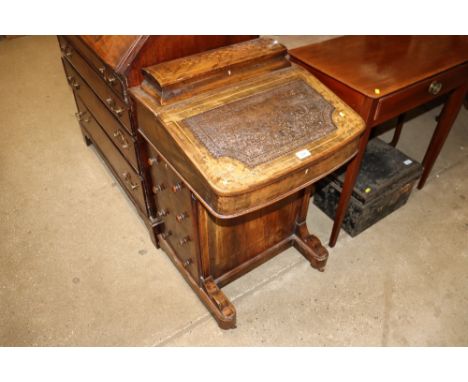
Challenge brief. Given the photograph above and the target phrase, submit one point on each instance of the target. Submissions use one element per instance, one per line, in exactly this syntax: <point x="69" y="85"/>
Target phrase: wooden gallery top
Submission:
<point x="235" y="138"/>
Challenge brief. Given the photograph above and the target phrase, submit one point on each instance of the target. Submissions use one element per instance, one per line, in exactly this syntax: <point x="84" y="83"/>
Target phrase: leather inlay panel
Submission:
<point x="262" y="127"/>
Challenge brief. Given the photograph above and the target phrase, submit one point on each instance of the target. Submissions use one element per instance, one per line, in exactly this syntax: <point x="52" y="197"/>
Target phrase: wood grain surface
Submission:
<point x="383" y="62"/>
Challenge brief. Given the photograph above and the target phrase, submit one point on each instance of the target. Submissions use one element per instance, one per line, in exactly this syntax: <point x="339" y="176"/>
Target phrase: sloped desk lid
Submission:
<point x="264" y="126"/>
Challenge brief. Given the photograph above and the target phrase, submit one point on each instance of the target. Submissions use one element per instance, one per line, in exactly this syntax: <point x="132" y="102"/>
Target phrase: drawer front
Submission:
<point x="116" y="106"/>
<point x="121" y="138"/>
<point x="392" y="105"/>
<point x="126" y="175"/>
<point x="175" y="209"/>
<point x="85" y="60"/>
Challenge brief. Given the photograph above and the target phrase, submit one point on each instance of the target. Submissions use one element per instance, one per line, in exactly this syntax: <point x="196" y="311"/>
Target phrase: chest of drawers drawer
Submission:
<point x="89" y="65"/>
<point x="121" y="138"/>
<point x="100" y="69"/>
<point x="101" y="85"/>
<point x="130" y="180"/>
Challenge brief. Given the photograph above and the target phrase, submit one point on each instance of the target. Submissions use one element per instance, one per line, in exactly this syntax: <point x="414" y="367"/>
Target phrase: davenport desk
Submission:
<point x="234" y="139"/>
<point x="382" y="77"/>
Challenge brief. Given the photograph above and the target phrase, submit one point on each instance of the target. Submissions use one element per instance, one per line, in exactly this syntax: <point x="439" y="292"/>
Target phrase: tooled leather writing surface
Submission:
<point x="264" y="126"/>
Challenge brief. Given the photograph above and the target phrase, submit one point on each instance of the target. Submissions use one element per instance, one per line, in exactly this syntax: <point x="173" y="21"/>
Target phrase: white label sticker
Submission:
<point x="303" y="154"/>
<point x="407" y="162"/>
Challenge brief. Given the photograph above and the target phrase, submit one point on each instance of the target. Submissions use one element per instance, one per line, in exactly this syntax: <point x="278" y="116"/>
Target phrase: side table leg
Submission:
<point x="350" y="179"/>
<point x="396" y="134"/>
<point x="446" y="119"/>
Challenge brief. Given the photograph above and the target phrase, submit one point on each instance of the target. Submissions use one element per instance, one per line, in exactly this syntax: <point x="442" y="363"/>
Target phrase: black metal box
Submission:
<point x="383" y="185"/>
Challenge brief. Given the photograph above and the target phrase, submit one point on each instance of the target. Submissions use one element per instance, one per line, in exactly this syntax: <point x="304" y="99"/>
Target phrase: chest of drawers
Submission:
<point x="100" y="69"/>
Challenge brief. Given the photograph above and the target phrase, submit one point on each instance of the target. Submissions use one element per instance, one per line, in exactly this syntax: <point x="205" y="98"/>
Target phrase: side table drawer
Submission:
<point x="420" y="93"/>
<point x="121" y="138"/>
<point x="126" y="175"/>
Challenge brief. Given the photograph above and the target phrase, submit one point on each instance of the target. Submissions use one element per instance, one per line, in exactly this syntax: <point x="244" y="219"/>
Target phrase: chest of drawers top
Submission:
<point x="118" y="60"/>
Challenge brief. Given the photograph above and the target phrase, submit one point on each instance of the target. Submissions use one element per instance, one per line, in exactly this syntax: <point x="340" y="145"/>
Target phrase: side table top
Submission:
<point x="386" y="63"/>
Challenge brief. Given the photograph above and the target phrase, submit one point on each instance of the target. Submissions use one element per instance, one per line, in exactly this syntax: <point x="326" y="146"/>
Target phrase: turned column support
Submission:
<point x="306" y="243"/>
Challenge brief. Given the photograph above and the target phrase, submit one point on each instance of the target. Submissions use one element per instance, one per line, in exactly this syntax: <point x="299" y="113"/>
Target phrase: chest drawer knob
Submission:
<point x="128" y="179"/>
<point x="123" y="141"/>
<point x="184" y="240"/>
<point x="188" y="262"/>
<point x="177" y="187"/>
<point x="435" y="87"/>
<point x="111" y="80"/>
<point x="166" y="234"/>
<point x="73" y="82"/>
<point x="163" y="212"/>
<point x="158" y="188"/>
<point x="181" y="217"/>
<point x="153" y="160"/>
<point x="115" y="109"/>
<point x="82" y="116"/>
<point x="68" y="51"/>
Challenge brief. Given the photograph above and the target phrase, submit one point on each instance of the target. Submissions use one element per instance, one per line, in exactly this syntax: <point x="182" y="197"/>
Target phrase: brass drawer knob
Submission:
<point x="116" y="110"/>
<point x="177" y="187"/>
<point x="111" y="80"/>
<point x="184" y="240"/>
<point x="435" y="87"/>
<point x="158" y="188"/>
<point x="128" y="179"/>
<point x="163" y="212"/>
<point x="123" y="140"/>
<point x="181" y="217"/>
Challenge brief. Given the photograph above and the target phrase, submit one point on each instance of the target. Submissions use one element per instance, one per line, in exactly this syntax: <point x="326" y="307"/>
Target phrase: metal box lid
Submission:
<point x="383" y="168"/>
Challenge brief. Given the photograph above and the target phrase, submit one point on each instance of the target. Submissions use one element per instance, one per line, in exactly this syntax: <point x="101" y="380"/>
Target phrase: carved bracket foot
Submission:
<point x="86" y="139"/>
<point x="207" y="290"/>
<point x="310" y="247"/>
<point x="224" y="312"/>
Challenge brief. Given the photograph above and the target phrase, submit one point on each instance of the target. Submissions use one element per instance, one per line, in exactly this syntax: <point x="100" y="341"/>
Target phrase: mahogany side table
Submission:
<point x="383" y="77"/>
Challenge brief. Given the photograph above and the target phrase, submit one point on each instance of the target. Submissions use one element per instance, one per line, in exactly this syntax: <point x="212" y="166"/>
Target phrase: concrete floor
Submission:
<point x="77" y="266"/>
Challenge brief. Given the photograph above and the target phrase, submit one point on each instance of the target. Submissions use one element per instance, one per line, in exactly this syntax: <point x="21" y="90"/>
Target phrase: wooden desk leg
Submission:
<point x="446" y="119"/>
<point x="309" y="245"/>
<point x="350" y="179"/>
